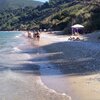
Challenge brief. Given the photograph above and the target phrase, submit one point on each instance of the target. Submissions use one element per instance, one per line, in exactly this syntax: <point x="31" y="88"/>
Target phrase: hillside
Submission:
<point x="85" y="12"/>
<point x="55" y="14"/>
<point x="15" y="4"/>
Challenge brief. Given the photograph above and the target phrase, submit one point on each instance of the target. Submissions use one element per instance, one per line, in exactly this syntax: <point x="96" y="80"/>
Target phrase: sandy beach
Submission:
<point x="71" y="67"/>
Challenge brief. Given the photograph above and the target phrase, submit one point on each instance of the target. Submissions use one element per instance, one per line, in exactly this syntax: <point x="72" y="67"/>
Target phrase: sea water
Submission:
<point x="19" y="76"/>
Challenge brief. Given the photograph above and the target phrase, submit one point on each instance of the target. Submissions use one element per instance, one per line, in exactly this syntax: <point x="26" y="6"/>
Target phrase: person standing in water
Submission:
<point x="36" y="35"/>
<point x="29" y="34"/>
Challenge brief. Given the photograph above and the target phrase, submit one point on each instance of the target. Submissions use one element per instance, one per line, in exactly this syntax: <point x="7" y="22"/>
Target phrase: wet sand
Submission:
<point x="72" y="67"/>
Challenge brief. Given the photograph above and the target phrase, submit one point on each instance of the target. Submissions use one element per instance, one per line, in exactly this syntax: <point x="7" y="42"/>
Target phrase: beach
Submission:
<point x="50" y="68"/>
<point x="72" y="67"/>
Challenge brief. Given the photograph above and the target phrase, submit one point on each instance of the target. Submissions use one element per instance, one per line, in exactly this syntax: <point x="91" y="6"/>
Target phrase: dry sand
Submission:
<point x="78" y="64"/>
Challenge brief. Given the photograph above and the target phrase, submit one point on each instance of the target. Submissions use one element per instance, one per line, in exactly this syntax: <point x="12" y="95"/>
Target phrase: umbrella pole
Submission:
<point x="72" y="31"/>
<point x="77" y="31"/>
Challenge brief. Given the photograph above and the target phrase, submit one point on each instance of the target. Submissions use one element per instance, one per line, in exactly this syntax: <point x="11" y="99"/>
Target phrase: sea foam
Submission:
<point x="16" y="49"/>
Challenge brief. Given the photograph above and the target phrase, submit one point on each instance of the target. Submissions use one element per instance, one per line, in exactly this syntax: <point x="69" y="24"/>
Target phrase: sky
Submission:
<point x="42" y="0"/>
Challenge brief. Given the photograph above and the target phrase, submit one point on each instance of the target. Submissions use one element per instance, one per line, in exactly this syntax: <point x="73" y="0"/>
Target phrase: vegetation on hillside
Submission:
<point x="55" y="14"/>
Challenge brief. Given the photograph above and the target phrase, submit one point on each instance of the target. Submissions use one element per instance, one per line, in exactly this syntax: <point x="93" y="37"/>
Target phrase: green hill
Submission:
<point x="55" y="14"/>
<point x="67" y="13"/>
<point x="15" y="4"/>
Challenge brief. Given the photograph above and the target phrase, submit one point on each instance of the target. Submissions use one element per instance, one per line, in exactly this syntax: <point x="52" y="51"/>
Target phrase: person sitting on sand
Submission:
<point x="70" y="38"/>
<point x="77" y="38"/>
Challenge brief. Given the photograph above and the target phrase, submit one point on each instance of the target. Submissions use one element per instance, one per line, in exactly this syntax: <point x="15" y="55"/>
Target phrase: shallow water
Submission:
<point x="20" y="72"/>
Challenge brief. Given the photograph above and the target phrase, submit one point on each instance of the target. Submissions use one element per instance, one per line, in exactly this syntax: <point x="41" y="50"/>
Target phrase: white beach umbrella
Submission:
<point x="77" y="26"/>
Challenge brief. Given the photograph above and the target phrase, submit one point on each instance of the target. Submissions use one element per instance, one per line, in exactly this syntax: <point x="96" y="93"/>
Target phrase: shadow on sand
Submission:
<point x="23" y="69"/>
<point x="68" y="58"/>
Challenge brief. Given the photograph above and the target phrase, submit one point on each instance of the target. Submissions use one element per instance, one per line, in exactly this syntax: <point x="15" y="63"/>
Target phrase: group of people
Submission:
<point x="34" y="35"/>
<point x="74" y="38"/>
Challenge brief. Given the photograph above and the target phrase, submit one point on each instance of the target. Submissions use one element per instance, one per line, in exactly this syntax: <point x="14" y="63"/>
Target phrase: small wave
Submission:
<point x="18" y="36"/>
<point x="16" y="49"/>
<point x="63" y="95"/>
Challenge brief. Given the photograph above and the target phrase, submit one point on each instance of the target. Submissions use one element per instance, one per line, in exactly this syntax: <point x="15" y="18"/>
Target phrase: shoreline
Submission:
<point x="46" y="71"/>
<point x="52" y="76"/>
<point x="40" y="61"/>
